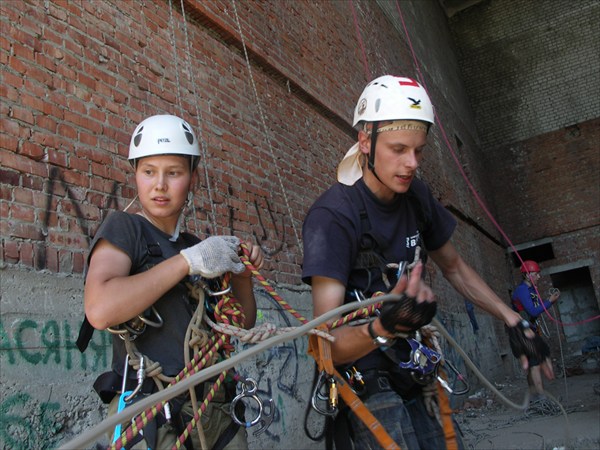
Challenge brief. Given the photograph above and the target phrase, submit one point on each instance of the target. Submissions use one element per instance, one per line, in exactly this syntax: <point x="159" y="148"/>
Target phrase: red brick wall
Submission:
<point x="79" y="76"/>
<point x="555" y="183"/>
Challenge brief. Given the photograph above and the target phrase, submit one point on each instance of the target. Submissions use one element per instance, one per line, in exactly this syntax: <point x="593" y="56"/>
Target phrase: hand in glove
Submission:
<point x="416" y="307"/>
<point x="406" y="313"/>
<point x="525" y="345"/>
<point x="214" y="256"/>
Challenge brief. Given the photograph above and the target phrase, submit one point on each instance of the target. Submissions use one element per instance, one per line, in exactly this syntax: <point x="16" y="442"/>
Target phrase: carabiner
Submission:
<point x="141" y="375"/>
<point x="122" y="398"/>
<point x="331" y="402"/>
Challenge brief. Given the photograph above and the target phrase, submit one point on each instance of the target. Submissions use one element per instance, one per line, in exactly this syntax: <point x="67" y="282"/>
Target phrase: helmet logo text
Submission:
<point x="163" y="141"/>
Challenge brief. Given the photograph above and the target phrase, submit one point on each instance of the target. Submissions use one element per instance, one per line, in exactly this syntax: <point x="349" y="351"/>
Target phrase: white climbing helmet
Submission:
<point x="164" y="135"/>
<point x="393" y="98"/>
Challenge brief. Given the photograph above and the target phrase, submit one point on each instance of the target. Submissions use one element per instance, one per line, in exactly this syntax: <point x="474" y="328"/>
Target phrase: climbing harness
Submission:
<point x="320" y="349"/>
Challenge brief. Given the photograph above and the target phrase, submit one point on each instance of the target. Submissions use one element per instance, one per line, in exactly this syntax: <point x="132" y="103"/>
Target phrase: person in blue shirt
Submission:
<point x="527" y="302"/>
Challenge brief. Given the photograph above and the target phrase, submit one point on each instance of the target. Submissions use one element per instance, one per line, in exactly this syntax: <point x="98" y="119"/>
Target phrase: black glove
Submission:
<point x="520" y="344"/>
<point x="406" y="312"/>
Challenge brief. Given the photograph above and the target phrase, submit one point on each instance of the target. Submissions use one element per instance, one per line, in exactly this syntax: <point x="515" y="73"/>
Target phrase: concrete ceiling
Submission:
<point x="452" y="7"/>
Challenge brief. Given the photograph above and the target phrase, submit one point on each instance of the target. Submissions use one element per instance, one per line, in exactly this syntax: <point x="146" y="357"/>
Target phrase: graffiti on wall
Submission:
<point x="32" y="343"/>
<point x="20" y="428"/>
<point x="270" y="230"/>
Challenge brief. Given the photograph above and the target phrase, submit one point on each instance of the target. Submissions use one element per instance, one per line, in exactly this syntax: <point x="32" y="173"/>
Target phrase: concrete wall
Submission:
<point x="78" y="76"/>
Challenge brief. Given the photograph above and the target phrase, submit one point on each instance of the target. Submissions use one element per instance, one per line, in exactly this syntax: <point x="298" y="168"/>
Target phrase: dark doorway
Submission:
<point x="577" y="304"/>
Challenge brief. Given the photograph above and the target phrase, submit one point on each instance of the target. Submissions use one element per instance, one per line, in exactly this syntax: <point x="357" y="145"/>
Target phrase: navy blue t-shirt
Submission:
<point x="332" y="230"/>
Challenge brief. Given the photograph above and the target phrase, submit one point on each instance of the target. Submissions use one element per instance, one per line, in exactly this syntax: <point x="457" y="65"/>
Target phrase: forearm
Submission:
<point x="243" y="291"/>
<point x="116" y="300"/>
<point x="354" y="342"/>
<point x="535" y="311"/>
<point x="471" y="286"/>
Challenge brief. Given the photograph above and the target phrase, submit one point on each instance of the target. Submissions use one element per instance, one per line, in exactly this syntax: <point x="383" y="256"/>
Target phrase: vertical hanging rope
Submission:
<point x="264" y="124"/>
<point x="202" y="141"/>
<point x="174" y="45"/>
<point x="368" y="75"/>
<point x="464" y="175"/>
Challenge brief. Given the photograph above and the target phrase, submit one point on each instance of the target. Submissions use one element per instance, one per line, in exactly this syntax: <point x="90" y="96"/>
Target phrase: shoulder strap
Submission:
<point x="421" y="210"/>
<point x="369" y="239"/>
<point x="154" y="252"/>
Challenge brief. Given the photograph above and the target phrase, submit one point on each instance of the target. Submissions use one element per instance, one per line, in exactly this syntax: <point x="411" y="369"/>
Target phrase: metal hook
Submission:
<point x="316" y="394"/>
<point x="157" y="323"/>
<point x="141" y="374"/>
<point x="204" y="285"/>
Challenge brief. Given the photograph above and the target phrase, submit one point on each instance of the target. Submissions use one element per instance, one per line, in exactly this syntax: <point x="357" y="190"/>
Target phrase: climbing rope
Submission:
<point x="264" y="125"/>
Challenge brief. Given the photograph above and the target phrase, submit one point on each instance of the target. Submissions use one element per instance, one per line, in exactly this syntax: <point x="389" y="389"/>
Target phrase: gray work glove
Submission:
<point x="214" y="256"/>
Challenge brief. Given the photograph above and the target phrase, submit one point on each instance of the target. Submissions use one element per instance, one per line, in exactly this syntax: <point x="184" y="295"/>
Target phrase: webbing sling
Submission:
<point x="446" y="416"/>
<point x="320" y="349"/>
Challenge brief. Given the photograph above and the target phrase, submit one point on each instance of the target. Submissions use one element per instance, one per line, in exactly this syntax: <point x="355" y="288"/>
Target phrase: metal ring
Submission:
<point x="253" y="422"/>
<point x="156" y="324"/>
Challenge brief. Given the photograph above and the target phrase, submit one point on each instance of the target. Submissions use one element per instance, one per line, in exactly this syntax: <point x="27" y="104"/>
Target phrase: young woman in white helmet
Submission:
<point x="139" y="263"/>
<point x="381" y="216"/>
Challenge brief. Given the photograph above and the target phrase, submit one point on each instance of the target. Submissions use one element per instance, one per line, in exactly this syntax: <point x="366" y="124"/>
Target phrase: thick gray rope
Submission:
<point x="91" y="435"/>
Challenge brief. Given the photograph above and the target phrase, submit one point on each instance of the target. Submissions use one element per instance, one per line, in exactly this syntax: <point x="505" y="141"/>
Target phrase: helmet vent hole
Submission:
<point x="188" y="132"/>
<point x="377" y="104"/>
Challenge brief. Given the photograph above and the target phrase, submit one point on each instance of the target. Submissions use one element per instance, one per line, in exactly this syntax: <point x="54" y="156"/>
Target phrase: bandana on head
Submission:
<point x="350" y="170"/>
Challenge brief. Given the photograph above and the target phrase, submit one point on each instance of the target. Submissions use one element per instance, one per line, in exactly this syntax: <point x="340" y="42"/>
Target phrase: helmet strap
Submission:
<point x="371" y="160"/>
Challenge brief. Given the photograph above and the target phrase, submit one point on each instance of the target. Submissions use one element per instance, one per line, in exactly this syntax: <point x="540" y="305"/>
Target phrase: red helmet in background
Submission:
<point x="529" y="266"/>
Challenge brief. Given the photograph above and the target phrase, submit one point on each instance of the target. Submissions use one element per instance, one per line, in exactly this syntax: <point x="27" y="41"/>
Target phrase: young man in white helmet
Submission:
<point x="139" y="264"/>
<point x="380" y="216"/>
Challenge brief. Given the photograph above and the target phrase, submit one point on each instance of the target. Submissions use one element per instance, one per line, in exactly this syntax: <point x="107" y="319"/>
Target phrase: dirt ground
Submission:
<point x="487" y="423"/>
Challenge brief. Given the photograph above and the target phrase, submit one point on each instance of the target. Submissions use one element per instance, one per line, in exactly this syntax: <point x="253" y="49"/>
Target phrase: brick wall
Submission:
<point x="79" y="76"/>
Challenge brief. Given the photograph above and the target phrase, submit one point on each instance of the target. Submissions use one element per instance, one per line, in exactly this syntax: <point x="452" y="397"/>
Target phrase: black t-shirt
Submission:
<point x="165" y="345"/>
<point x="332" y="231"/>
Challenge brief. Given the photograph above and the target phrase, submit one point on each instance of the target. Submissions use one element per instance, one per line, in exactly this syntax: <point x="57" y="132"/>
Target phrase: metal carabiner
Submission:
<point x="204" y="285"/>
<point x="248" y="393"/>
<point x="157" y="323"/>
<point x="459" y="377"/>
<point x="122" y="398"/>
<point x="141" y="375"/>
<point x="331" y="404"/>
